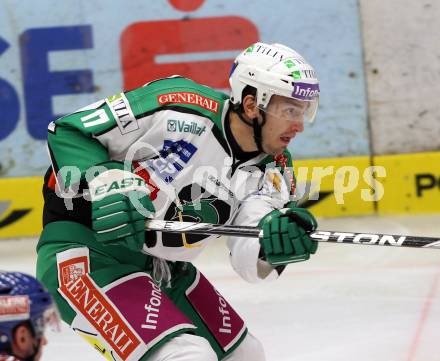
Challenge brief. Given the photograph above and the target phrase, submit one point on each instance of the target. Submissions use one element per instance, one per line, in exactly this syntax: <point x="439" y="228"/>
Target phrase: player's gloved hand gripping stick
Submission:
<point x="120" y="205"/>
<point x="284" y="236"/>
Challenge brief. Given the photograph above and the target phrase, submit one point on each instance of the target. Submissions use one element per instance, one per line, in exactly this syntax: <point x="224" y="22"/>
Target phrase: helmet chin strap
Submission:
<point x="257" y="127"/>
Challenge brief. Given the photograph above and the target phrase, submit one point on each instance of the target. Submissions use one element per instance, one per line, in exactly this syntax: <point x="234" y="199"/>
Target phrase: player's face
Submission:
<point x="284" y="119"/>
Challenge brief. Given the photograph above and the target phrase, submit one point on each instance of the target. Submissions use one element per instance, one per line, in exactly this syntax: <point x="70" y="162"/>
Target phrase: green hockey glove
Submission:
<point x="120" y="205"/>
<point x="285" y="235"/>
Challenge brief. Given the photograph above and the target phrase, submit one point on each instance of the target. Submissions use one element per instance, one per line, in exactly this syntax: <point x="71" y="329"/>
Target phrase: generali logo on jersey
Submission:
<point x="14" y="308"/>
<point x="189" y="98"/>
<point x="83" y="294"/>
<point x="86" y="297"/>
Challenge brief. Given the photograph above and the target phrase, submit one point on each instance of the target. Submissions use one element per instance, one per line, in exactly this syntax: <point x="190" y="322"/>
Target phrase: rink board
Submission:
<point x="334" y="194"/>
<point x="21" y="206"/>
<point x="336" y="187"/>
<point x="412" y="183"/>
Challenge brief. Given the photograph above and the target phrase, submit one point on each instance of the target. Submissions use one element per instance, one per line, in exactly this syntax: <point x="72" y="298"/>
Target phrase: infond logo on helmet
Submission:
<point x="184" y="127"/>
<point x="305" y="91"/>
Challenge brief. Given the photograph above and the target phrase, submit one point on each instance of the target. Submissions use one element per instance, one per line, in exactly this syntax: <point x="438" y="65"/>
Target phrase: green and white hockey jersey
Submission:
<point x="172" y="131"/>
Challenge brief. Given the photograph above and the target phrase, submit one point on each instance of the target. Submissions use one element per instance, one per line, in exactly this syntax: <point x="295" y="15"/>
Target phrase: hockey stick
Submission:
<point x="321" y="236"/>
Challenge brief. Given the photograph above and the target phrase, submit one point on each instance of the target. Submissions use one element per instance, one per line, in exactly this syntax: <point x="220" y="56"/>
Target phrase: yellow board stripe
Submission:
<point x="412" y="183"/>
<point x="21" y="202"/>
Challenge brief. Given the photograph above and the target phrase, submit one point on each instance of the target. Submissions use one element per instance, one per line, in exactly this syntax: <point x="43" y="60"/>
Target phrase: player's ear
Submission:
<point x="22" y="339"/>
<point x="250" y="109"/>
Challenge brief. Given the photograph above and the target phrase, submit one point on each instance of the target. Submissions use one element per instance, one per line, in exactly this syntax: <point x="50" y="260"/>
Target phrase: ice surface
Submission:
<point x="349" y="303"/>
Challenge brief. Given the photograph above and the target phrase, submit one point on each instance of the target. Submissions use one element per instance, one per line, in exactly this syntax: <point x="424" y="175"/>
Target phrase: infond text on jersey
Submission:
<point x="182" y="126"/>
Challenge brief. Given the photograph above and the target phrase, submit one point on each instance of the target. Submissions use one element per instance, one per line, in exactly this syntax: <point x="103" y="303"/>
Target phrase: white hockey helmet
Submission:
<point x="274" y="69"/>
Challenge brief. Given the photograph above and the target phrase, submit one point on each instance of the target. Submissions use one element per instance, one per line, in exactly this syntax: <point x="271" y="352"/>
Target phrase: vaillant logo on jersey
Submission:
<point x="172" y="125"/>
<point x="185" y="127"/>
<point x="189" y="98"/>
<point x="121" y="110"/>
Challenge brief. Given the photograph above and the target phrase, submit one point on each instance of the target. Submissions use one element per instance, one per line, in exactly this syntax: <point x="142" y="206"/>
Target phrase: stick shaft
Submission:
<point x="321" y="236"/>
<point x="202" y="228"/>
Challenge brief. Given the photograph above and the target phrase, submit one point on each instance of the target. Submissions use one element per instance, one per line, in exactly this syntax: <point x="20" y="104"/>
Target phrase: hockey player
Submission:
<point x="26" y="309"/>
<point x="176" y="150"/>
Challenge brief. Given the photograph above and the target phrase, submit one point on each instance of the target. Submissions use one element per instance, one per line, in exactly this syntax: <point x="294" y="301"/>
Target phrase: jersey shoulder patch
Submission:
<point x="180" y="94"/>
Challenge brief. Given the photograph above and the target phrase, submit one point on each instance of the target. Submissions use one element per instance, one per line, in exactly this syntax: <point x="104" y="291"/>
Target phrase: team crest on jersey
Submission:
<point x="202" y="210"/>
<point x="121" y="110"/>
<point x="189" y="98"/>
<point x="200" y="207"/>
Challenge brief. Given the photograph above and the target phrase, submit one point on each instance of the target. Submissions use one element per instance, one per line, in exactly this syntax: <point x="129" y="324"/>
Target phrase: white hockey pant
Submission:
<point x="188" y="347"/>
